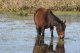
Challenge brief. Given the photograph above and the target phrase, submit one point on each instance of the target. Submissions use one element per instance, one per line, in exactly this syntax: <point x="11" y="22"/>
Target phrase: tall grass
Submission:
<point x="62" y="5"/>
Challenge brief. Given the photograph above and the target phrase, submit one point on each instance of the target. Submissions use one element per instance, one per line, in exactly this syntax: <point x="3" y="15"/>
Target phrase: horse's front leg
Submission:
<point x="38" y="30"/>
<point x="51" y="29"/>
<point x="42" y="31"/>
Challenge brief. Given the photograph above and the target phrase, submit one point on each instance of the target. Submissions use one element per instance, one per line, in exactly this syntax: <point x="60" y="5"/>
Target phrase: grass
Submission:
<point x="66" y="12"/>
<point x="19" y="17"/>
<point x="28" y="14"/>
<point x="63" y="5"/>
<point x="17" y="11"/>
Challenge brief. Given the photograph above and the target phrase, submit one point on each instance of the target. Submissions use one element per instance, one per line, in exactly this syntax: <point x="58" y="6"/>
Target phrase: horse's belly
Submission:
<point x="40" y="21"/>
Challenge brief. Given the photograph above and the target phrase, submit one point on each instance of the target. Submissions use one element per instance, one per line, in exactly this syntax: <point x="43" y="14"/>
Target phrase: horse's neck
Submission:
<point x="56" y="20"/>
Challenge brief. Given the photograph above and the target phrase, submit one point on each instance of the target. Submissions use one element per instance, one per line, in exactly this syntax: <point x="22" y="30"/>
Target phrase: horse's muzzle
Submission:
<point x="61" y="36"/>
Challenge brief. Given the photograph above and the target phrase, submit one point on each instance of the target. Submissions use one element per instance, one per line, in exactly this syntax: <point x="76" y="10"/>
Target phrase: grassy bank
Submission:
<point x="17" y="16"/>
<point x="62" y="5"/>
<point x="28" y="7"/>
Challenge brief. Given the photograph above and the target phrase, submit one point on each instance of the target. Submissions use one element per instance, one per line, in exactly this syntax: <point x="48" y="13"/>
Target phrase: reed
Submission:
<point x="62" y="5"/>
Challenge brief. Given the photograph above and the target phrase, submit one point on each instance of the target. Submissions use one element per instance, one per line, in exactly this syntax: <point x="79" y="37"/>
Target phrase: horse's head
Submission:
<point x="61" y="29"/>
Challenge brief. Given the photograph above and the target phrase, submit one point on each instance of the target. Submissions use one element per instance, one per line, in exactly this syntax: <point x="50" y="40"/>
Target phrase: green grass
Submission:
<point x="28" y="14"/>
<point x="30" y="11"/>
<point x="19" y="17"/>
<point x="66" y="12"/>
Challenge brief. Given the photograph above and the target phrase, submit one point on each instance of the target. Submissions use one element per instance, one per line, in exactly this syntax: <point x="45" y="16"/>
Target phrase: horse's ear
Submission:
<point x="64" y="21"/>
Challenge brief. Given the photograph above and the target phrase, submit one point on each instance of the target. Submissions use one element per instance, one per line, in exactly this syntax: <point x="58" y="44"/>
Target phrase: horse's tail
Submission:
<point x="35" y="14"/>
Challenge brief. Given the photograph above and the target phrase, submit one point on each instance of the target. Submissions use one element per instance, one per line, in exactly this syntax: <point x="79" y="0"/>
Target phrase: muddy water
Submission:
<point x="18" y="36"/>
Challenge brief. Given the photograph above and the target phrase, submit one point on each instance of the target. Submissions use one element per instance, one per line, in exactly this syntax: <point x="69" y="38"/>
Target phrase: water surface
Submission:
<point x="19" y="35"/>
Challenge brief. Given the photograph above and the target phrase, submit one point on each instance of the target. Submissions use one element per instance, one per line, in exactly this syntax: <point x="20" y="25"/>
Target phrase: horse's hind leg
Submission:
<point x="38" y="31"/>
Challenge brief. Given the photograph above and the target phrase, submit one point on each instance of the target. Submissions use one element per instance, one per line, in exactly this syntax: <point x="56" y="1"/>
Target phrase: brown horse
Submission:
<point x="44" y="18"/>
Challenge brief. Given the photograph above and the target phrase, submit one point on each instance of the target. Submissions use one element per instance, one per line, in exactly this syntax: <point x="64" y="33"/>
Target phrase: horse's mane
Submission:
<point x="55" y="16"/>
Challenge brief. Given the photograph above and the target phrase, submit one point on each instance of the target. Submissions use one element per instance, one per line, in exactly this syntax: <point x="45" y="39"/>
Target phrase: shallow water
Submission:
<point x="18" y="36"/>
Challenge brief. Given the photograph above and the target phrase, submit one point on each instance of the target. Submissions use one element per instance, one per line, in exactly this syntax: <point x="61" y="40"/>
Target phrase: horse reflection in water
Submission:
<point x="60" y="46"/>
<point x="41" y="47"/>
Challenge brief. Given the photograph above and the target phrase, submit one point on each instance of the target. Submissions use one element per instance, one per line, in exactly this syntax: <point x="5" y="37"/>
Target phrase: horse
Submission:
<point x="44" y="18"/>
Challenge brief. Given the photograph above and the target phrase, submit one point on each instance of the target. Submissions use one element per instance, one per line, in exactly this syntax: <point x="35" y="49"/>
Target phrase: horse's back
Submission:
<point x="40" y="17"/>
